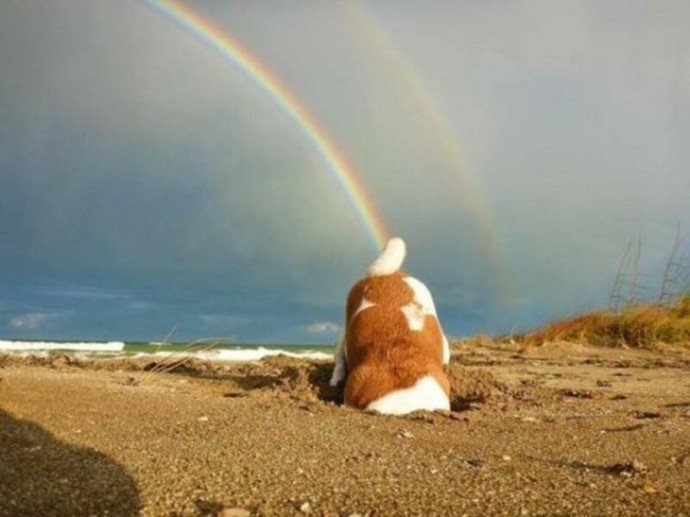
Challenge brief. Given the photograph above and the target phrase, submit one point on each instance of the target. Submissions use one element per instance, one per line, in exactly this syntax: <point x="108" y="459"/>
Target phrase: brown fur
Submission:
<point x="383" y="354"/>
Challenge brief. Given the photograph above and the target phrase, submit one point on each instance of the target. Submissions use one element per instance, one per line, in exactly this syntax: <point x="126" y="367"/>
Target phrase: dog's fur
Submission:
<point x="393" y="349"/>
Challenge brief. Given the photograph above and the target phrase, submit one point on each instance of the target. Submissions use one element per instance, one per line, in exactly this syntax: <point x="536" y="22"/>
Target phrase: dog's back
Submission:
<point x="393" y="343"/>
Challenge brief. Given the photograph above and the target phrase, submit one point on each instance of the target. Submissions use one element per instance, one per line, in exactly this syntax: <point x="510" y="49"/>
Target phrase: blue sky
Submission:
<point x="147" y="184"/>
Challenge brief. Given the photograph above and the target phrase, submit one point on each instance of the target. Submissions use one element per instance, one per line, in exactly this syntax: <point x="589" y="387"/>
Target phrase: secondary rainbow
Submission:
<point x="469" y="188"/>
<point x="224" y="44"/>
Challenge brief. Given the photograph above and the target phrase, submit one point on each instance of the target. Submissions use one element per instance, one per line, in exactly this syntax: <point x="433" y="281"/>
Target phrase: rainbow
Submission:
<point x="220" y="41"/>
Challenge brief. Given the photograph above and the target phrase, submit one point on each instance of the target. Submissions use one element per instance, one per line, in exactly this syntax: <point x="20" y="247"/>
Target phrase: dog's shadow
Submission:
<point x="42" y="475"/>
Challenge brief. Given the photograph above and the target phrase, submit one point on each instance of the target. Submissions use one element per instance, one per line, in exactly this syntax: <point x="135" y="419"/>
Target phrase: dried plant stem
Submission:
<point x="169" y="363"/>
<point x="674" y="273"/>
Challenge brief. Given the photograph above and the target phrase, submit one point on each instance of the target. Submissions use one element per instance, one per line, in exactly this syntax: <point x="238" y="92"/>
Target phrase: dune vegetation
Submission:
<point x="631" y="321"/>
<point x="642" y="325"/>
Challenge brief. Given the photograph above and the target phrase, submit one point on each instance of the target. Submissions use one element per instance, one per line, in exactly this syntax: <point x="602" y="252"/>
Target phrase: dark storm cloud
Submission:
<point x="148" y="183"/>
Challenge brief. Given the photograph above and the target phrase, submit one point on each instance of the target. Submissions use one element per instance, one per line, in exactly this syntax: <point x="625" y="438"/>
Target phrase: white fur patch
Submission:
<point x="421" y="306"/>
<point x="340" y="360"/>
<point x="415" y="316"/>
<point x="446" y="351"/>
<point x="365" y="304"/>
<point x="426" y="394"/>
<point x="422" y="296"/>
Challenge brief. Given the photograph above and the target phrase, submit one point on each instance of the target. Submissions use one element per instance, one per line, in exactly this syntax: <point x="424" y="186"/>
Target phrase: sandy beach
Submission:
<point x="558" y="429"/>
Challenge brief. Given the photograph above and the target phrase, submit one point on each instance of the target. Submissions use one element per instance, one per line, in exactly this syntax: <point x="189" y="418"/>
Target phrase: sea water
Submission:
<point x="205" y="350"/>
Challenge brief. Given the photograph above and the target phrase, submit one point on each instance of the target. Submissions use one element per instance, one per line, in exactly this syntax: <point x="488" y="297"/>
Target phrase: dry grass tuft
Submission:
<point x="636" y="326"/>
<point x="178" y="359"/>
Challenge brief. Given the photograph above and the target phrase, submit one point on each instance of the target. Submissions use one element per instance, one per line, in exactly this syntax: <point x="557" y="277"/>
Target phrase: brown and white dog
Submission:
<point x="392" y="350"/>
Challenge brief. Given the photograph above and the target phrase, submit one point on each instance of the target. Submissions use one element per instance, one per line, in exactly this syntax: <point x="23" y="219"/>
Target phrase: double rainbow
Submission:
<point x="220" y="41"/>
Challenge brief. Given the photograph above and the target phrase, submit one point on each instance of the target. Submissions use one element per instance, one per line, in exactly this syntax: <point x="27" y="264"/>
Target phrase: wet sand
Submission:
<point x="559" y="429"/>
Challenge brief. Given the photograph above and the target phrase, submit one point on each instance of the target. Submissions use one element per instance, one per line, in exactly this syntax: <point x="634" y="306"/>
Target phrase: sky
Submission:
<point x="148" y="184"/>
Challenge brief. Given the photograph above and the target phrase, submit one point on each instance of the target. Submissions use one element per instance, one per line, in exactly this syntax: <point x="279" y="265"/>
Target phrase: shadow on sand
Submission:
<point x="40" y="475"/>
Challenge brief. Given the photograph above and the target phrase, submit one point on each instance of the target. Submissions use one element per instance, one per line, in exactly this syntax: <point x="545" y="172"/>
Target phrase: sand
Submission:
<point x="559" y="429"/>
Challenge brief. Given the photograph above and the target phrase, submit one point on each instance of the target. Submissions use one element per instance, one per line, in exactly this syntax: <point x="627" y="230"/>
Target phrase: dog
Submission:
<point x="392" y="351"/>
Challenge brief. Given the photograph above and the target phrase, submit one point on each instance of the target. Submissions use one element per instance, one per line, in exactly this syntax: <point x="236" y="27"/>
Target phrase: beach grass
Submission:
<point x="642" y="326"/>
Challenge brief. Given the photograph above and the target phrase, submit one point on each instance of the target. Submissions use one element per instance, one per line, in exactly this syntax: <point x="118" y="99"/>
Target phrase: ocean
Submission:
<point x="206" y="349"/>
